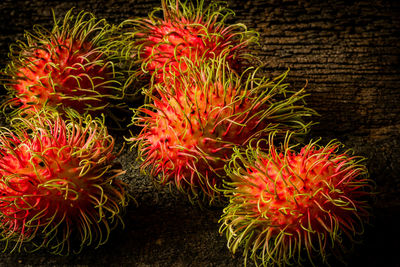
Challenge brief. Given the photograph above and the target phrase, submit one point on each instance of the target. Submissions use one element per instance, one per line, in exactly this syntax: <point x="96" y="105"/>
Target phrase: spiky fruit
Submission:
<point x="186" y="30"/>
<point x="58" y="182"/>
<point x="194" y="120"/>
<point x="71" y="66"/>
<point x="285" y="203"/>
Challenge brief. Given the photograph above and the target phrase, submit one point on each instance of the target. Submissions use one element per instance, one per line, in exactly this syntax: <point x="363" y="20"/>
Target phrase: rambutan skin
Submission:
<point x="194" y="120"/>
<point x="58" y="182"/>
<point x="197" y="32"/>
<point x="285" y="204"/>
<point x="72" y="66"/>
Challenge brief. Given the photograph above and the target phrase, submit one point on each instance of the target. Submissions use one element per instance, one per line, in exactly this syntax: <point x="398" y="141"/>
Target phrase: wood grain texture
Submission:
<point x="348" y="51"/>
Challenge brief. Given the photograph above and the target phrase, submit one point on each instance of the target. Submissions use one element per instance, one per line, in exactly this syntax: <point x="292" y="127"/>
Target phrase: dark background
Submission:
<point x="349" y="53"/>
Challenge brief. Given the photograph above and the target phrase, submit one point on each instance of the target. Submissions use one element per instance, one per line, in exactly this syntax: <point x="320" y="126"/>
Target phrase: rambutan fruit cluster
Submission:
<point x="287" y="202"/>
<point x="58" y="182"/>
<point x="185" y="30"/>
<point x="194" y="121"/>
<point x="207" y="107"/>
<point x="72" y="66"/>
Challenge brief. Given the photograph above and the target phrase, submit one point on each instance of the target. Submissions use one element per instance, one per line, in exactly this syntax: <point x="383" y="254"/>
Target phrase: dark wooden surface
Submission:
<point x="348" y="51"/>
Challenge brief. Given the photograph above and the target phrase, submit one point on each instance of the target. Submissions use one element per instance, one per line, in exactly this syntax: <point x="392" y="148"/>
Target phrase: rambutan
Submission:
<point x="71" y="66"/>
<point x="194" y="120"/>
<point x="196" y="32"/>
<point x="58" y="182"/>
<point x="285" y="204"/>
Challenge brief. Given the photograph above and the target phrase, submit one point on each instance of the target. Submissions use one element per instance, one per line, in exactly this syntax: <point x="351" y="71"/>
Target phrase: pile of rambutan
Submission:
<point x="212" y="126"/>
<point x="207" y="107"/>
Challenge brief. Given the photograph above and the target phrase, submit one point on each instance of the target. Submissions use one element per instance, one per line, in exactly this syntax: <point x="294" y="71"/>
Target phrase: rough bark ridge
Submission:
<point x="346" y="50"/>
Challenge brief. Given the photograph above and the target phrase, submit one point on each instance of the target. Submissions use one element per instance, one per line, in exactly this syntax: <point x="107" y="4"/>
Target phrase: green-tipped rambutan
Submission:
<point x="59" y="183"/>
<point x="71" y="66"/>
<point x="194" y="120"/>
<point x="184" y="29"/>
<point x="287" y="203"/>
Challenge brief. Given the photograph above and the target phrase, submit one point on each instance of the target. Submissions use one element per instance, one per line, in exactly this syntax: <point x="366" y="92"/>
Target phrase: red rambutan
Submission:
<point x="187" y="30"/>
<point x="58" y="181"/>
<point x="194" y="120"/>
<point x="285" y="203"/>
<point x="71" y="66"/>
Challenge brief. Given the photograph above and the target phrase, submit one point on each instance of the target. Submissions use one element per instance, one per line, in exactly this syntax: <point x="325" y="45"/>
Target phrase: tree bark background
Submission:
<point x="349" y="53"/>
